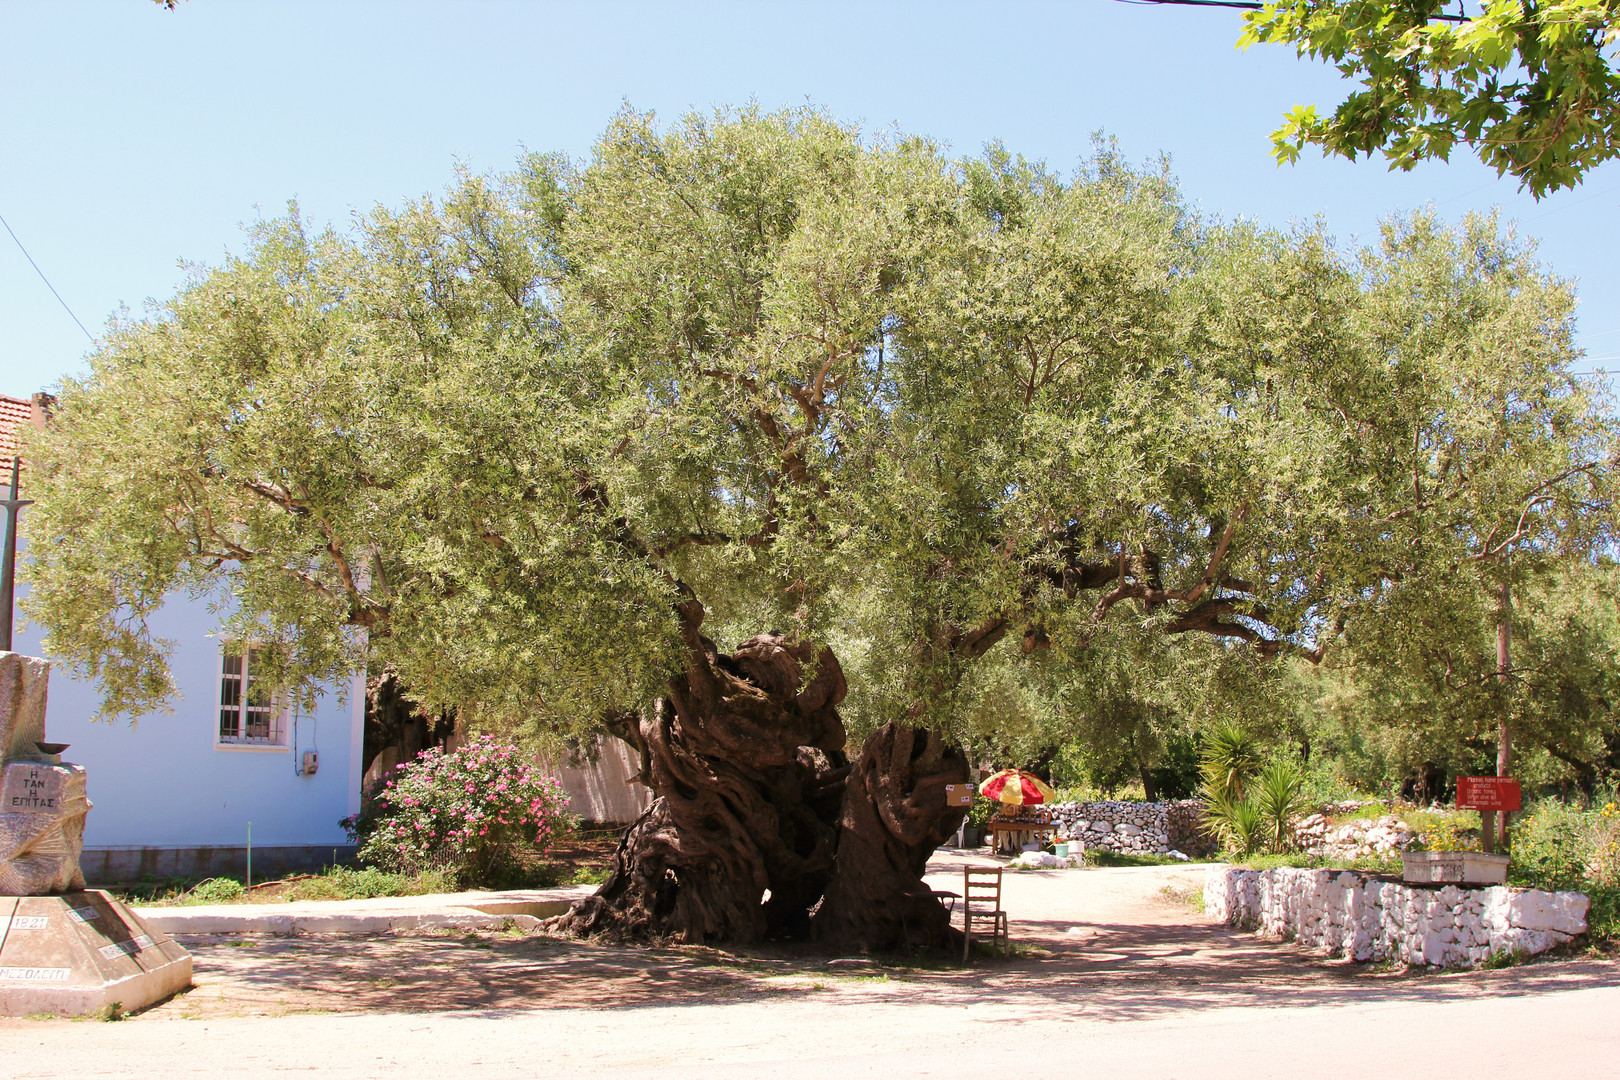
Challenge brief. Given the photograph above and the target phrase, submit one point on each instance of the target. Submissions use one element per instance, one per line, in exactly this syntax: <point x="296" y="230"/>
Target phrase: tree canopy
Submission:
<point x="976" y="427"/>
<point x="1529" y="87"/>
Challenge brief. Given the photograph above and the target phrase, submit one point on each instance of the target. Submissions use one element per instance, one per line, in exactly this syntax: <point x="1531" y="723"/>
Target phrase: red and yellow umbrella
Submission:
<point x="1016" y="788"/>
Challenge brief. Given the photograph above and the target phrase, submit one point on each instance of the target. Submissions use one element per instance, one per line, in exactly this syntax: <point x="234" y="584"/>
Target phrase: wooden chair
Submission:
<point x="981" y="904"/>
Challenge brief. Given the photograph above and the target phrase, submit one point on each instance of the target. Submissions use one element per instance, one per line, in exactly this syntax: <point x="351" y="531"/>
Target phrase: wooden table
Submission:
<point x="1036" y="829"/>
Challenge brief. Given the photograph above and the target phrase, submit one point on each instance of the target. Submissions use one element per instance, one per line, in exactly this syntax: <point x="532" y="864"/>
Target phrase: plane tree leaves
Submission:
<point x="1529" y="87"/>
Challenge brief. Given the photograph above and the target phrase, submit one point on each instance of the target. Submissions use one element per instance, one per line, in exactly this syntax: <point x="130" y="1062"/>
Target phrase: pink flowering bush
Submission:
<point x="466" y="812"/>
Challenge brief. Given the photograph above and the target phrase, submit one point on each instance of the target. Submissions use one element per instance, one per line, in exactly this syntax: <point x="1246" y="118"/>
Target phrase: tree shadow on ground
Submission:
<point x="1127" y="971"/>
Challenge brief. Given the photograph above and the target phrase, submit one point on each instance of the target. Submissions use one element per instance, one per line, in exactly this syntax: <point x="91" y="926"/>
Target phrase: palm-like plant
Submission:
<point x="1245" y="805"/>
<point x="1278" y="797"/>
<point x="1230" y="758"/>
<point x="1236" y="823"/>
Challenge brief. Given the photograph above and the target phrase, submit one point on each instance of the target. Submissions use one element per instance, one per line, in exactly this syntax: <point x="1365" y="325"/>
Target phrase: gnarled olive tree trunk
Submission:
<point x="752" y="826"/>
<point x="894" y="817"/>
<point x="746" y="760"/>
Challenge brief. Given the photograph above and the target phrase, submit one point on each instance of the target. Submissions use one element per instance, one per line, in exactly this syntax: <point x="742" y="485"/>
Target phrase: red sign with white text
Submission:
<point x="1488" y="793"/>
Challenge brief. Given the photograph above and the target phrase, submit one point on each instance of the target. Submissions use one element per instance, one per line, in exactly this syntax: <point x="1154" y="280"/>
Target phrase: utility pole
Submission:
<point x="1504" y="734"/>
<point x="8" y="559"/>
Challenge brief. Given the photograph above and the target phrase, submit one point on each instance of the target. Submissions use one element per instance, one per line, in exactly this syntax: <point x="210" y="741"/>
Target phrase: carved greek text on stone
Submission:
<point x="83" y="914"/>
<point x="26" y="974"/>
<point x="30" y="790"/>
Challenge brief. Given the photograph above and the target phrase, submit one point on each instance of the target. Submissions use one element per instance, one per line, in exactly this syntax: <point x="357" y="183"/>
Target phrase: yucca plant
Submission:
<point x="1229" y="759"/>
<point x="1278" y="797"/>
<point x="1236" y="823"/>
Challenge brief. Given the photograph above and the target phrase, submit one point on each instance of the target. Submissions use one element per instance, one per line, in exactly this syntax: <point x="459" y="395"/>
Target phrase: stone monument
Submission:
<point x="64" y="949"/>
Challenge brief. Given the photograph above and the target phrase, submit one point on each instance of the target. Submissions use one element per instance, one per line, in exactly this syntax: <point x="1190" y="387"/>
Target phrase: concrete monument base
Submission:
<point x="79" y="953"/>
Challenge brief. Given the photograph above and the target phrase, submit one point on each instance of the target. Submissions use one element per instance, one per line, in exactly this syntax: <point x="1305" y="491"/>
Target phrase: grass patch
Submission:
<point x="1505" y="959"/>
<point x="551" y="875"/>
<point x="1190" y="897"/>
<point x="335" y="883"/>
<point x="1095" y="857"/>
<point x="581" y="858"/>
<point x="856" y="976"/>
<point x="1300" y="860"/>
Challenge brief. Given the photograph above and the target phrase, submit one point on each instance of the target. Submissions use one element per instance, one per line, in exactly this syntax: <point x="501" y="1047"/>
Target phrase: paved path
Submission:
<point x="1118" y="980"/>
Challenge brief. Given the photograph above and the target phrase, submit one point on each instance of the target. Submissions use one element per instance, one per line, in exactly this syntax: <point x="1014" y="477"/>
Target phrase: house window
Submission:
<point x="247" y="714"/>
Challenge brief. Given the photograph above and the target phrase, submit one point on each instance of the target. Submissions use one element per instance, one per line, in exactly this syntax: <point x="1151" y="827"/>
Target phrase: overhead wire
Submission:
<point x="1245" y="6"/>
<point x="91" y="337"/>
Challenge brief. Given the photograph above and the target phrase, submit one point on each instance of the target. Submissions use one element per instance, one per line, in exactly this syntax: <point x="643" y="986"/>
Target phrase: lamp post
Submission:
<point x="8" y="560"/>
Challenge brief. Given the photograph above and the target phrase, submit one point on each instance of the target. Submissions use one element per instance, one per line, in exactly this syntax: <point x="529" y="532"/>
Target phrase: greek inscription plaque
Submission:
<point x="126" y="948"/>
<point x="32" y="789"/>
<point x="83" y="914"/>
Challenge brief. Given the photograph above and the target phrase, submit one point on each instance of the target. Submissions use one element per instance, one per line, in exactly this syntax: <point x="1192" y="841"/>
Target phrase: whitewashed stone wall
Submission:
<point x="1132" y="827"/>
<point x="1358" y="838"/>
<point x="1343" y="913"/>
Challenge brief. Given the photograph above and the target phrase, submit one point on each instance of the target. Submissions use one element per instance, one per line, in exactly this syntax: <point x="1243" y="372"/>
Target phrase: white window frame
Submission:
<point x="278" y="736"/>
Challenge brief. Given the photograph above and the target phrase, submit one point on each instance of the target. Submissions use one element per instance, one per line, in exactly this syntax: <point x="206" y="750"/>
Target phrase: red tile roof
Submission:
<point x="14" y="412"/>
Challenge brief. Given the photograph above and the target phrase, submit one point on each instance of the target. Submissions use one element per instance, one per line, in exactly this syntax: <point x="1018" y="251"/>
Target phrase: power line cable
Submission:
<point x="45" y="279"/>
<point x="1241" y="4"/>
<point x="1569" y="205"/>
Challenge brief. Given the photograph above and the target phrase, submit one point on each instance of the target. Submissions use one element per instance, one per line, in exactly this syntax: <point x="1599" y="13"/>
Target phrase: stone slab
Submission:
<point x="78" y="953"/>
<point x="1470" y="867"/>
<point x="476" y="910"/>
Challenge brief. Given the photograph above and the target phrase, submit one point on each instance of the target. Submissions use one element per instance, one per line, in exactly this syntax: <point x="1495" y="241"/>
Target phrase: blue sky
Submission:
<point x="132" y="137"/>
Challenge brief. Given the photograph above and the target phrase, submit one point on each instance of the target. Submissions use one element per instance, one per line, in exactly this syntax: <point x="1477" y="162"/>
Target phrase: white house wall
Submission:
<point x="163" y="782"/>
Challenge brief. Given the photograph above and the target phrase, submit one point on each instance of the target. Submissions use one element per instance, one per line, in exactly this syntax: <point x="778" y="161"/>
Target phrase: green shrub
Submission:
<point x="464" y="814"/>
<point x="982" y="811"/>
<point x="1274" y="860"/>
<point x="1558" y="846"/>
<point x="1603" y="848"/>
<point x="364" y="883"/>
<point x="217" y="890"/>
<point x="1095" y="857"/>
<point x="1549" y="847"/>
<point x="1301" y="860"/>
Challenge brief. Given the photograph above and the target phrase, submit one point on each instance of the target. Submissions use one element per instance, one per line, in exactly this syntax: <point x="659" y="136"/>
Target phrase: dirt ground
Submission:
<point x="1115" y="976"/>
<point x="1120" y="943"/>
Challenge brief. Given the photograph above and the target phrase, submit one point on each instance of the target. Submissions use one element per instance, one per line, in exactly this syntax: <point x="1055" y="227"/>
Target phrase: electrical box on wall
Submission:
<point x="312" y="761"/>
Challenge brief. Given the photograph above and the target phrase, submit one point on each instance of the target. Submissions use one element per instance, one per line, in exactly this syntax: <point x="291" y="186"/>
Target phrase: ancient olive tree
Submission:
<point x="899" y="427"/>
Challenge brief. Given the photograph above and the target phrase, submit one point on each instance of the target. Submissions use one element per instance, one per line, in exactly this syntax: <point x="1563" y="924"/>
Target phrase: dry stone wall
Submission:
<point x="1355" y="839"/>
<point x="1137" y="828"/>
<point x="1343" y="913"/>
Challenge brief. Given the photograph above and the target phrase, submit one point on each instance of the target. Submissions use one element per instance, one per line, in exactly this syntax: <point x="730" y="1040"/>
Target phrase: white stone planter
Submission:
<point x="1453" y="867"/>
